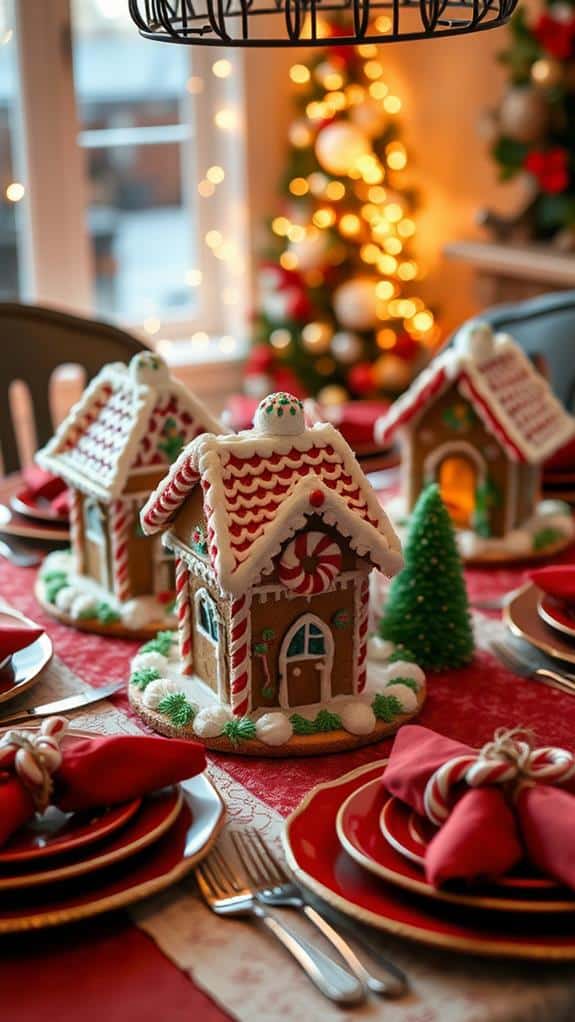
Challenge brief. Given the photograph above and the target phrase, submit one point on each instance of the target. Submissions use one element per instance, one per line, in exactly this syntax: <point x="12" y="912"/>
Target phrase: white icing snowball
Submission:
<point x="142" y="611"/>
<point x="552" y="507"/>
<point x="59" y="560"/>
<point x="158" y="690"/>
<point x="152" y="659"/>
<point x="83" y="606"/>
<point x="475" y="340"/>
<point x="357" y="718"/>
<point x="274" y="729"/>
<point x="149" y="368"/>
<point x="403" y="669"/>
<point x="65" y="598"/>
<point x="279" y="414"/>
<point x="209" y="722"/>
<point x="379" y="649"/>
<point x="404" y="694"/>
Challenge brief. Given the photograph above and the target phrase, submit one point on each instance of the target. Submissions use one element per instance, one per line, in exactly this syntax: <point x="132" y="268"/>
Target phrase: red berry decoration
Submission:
<point x="317" y="498"/>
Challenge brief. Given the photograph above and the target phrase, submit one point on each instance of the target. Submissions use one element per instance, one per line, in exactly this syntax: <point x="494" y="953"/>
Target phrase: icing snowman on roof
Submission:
<point x="149" y="369"/>
<point x="279" y="414"/>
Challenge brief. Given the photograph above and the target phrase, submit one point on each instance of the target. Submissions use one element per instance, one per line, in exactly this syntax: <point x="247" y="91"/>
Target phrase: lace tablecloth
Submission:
<point x="236" y="966"/>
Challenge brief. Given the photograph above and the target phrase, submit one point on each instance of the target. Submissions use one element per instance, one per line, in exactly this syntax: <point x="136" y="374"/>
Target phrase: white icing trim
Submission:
<point x="447" y="450"/>
<point x="327" y="657"/>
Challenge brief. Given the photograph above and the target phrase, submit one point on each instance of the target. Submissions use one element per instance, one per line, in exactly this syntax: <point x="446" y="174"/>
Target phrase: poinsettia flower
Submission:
<point x="556" y="35"/>
<point x="549" y="167"/>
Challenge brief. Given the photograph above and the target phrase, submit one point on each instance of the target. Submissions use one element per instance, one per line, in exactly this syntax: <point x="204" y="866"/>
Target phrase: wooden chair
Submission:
<point x="35" y="341"/>
<point x="545" y="329"/>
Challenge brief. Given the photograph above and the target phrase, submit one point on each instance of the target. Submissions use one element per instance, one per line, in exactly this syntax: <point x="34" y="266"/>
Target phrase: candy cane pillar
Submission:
<point x="76" y="535"/>
<point x="120" y="523"/>
<point x="184" y="615"/>
<point x="239" y="656"/>
<point x="362" y="622"/>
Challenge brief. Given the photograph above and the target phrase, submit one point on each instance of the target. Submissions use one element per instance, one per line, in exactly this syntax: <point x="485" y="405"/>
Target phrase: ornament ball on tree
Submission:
<point x="427" y="611"/>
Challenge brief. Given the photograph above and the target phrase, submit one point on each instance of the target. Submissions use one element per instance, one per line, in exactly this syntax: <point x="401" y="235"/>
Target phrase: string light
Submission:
<point x="393" y="212"/>
<point x="407" y="270"/>
<point x="299" y="135"/>
<point x="368" y="50"/>
<point x="392" y="246"/>
<point x="349" y="225"/>
<point x="392" y="104"/>
<point x="333" y="81"/>
<point x="222" y="68"/>
<point x="383" y="25"/>
<point x="299" y="74"/>
<point x="280" y="339"/>
<point x="194" y="278"/>
<point x="324" y="218"/>
<point x="335" y="191"/>
<point x="15" y="191"/>
<point x="296" y="232"/>
<point x="423" y="321"/>
<point x="387" y="265"/>
<point x="370" y="253"/>
<point x="355" y="94"/>
<point x="378" y="90"/>
<point x="215" y="174"/>
<point x="280" y="226"/>
<point x="384" y="289"/>
<point x="373" y="69"/>
<point x="226" y="119"/>
<point x="406" y="228"/>
<point x="299" y="186"/>
<point x="377" y="194"/>
<point x="206" y="188"/>
<point x="386" y="339"/>
<point x="396" y="156"/>
<point x="288" y="261"/>
<point x="213" y="239"/>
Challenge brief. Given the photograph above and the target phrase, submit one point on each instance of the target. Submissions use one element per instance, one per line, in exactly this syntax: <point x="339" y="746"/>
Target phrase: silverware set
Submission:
<point x="528" y="662"/>
<point x="252" y="882"/>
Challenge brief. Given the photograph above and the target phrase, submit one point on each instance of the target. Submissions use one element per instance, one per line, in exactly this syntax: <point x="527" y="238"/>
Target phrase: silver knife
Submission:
<point x="62" y="705"/>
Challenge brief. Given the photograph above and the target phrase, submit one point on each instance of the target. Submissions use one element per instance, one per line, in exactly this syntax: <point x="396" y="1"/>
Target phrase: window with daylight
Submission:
<point x="120" y="182"/>
<point x="206" y="615"/>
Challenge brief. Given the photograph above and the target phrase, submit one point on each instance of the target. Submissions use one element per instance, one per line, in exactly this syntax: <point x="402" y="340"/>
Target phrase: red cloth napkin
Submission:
<point x="103" y="772"/>
<point x="485" y="835"/>
<point x="45" y="485"/>
<point x="556" y="580"/>
<point x="15" y="634"/>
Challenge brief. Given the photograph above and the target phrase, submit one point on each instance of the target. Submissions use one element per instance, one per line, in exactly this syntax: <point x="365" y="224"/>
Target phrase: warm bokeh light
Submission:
<point x="386" y="339"/>
<point x="392" y="104"/>
<point x="384" y="290"/>
<point x="280" y="339"/>
<point x="206" y="188"/>
<point x="215" y="174"/>
<point x="335" y="190"/>
<point x="15" y="191"/>
<point x="222" y="68"/>
<point x="299" y="74"/>
<point x="213" y="239"/>
<point x="194" y="278"/>
<point x="195" y="85"/>
<point x="226" y="119"/>
<point x="324" y="218"/>
<point x="349" y="225"/>
<point x="299" y="186"/>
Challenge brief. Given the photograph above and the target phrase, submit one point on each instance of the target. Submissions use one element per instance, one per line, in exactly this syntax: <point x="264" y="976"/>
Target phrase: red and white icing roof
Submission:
<point x="120" y="425"/>
<point x="512" y="399"/>
<point x="261" y="485"/>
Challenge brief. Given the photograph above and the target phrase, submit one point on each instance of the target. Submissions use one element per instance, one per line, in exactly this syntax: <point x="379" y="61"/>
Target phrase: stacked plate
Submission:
<point x="362" y="851"/>
<point x="21" y="670"/>
<point x="66" y="866"/>
<point x="31" y="516"/>
<point x="543" y="621"/>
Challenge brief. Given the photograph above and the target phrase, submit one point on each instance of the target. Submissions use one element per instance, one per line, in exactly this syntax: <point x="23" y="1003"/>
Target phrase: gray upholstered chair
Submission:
<point x="33" y="343"/>
<point x="545" y="329"/>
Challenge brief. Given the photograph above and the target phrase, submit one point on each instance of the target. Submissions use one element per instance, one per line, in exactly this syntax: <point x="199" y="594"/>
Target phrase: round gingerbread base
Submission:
<point x="502" y="556"/>
<point x="114" y="630"/>
<point x="319" y="744"/>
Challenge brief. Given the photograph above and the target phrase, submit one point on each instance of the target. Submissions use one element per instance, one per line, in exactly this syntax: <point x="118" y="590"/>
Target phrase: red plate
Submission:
<point x="158" y="812"/>
<point x="56" y="832"/>
<point x="321" y="864"/>
<point x="358" y="826"/>
<point x="26" y="503"/>
<point x="151" y="870"/>
<point x="410" y="834"/>
<point x="557" y="614"/>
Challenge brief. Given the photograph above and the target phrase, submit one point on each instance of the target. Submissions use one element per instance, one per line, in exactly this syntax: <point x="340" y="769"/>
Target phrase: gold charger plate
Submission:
<point x="521" y="615"/>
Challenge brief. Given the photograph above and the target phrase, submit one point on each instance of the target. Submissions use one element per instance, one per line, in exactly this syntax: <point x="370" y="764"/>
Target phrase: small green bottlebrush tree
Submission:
<point x="427" y="609"/>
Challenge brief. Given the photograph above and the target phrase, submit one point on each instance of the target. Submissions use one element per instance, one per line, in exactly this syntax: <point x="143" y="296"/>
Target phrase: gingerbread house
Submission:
<point x="275" y="532"/>
<point x="479" y="421"/>
<point x="112" y="450"/>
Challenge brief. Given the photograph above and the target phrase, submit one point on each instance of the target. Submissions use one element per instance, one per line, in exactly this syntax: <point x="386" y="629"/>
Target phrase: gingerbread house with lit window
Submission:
<point x="112" y="450"/>
<point x="275" y="532"/>
<point x="480" y="421"/>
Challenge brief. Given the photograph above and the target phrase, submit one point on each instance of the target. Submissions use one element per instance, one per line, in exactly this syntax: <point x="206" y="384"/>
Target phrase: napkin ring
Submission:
<point x="34" y="756"/>
<point x="508" y="759"/>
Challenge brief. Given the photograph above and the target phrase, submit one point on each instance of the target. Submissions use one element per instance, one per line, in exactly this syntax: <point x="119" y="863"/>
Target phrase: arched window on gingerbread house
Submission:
<point x="458" y="486"/>
<point x="206" y="615"/>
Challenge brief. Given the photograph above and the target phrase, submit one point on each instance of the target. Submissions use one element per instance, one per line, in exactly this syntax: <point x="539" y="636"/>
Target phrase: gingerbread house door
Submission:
<point x="305" y="664"/>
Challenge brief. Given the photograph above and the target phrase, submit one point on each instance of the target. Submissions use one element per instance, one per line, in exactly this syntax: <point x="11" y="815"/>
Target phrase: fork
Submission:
<point x="227" y="894"/>
<point x="274" y="887"/>
<point x="527" y="666"/>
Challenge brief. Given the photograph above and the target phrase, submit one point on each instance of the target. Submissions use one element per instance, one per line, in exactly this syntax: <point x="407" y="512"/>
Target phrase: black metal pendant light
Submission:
<point x="298" y="22"/>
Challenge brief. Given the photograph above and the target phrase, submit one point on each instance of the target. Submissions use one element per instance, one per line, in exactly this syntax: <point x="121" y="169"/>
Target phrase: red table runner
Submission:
<point x="117" y="971"/>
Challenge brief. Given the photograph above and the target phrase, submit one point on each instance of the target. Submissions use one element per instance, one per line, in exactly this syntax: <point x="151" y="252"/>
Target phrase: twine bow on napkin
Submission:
<point x="34" y="756"/>
<point x="494" y="806"/>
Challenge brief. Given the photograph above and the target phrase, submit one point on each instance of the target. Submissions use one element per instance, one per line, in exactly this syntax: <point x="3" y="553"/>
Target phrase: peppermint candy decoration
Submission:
<point x="507" y="759"/>
<point x="310" y="563"/>
<point x="34" y="756"/>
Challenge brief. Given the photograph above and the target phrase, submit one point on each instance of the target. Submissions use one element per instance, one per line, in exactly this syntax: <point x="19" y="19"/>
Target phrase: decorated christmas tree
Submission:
<point x="427" y="611"/>
<point x="339" y="313"/>
<point x="533" y="132"/>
